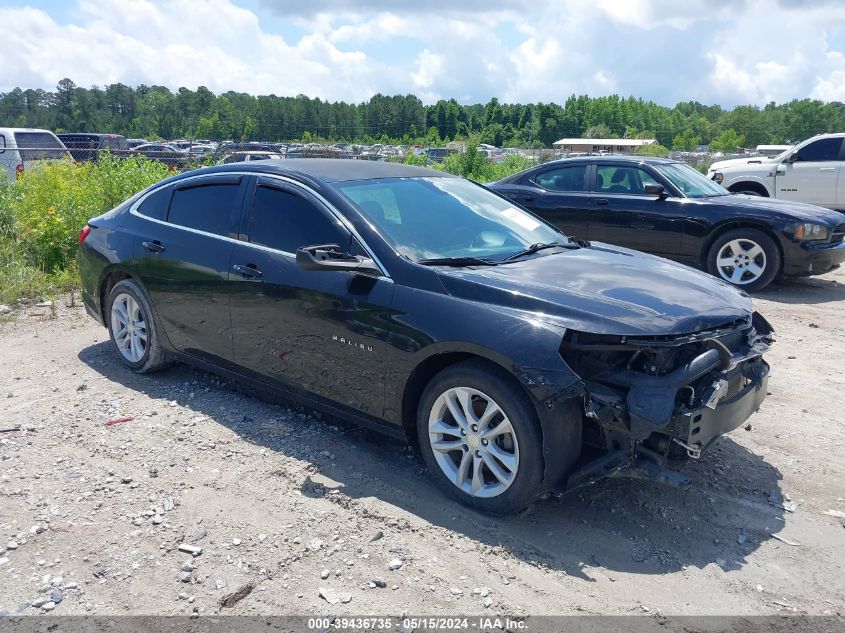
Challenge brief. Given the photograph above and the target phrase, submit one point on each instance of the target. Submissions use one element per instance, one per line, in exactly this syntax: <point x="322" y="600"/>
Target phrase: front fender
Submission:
<point x="429" y="325"/>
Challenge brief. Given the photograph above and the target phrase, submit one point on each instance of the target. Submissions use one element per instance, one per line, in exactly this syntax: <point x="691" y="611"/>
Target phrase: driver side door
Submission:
<point x="622" y="213"/>
<point x="314" y="332"/>
<point x="812" y="176"/>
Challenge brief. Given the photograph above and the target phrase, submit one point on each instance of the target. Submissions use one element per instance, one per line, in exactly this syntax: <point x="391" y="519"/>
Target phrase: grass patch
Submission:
<point x="42" y="213"/>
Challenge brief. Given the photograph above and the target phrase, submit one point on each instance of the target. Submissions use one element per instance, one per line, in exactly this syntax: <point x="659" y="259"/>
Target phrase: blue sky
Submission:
<point x="744" y="51"/>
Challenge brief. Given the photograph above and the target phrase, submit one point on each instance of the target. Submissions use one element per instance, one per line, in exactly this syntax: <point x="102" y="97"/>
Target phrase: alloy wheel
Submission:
<point x="473" y="442"/>
<point x="741" y="261"/>
<point x="128" y="327"/>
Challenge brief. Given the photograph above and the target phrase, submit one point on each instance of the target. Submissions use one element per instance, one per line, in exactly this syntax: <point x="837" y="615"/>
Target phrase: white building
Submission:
<point x="601" y="145"/>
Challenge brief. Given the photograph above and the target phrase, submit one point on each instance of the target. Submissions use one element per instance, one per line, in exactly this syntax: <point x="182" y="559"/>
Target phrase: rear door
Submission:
<point x="622" y="213"/>
<point x="320" y="333"/>
<point x="560" y="195"/>
<point x="182" y="251"/>
<point x="813" y="175"/>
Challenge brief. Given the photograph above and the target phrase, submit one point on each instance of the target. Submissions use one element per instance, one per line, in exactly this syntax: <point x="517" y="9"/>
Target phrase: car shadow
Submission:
<point x="616" y="525"/>
<point x="803" y="290"/>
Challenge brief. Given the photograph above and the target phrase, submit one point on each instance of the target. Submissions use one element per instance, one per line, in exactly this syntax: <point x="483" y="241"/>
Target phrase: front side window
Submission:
<point x="204" y="208"/>
<point x="430" y="218"/>
<point x="285" y="221"/>
<point x="622" y="179"/>
<point x="823" y="150"/>
<point x="573" y="178"/>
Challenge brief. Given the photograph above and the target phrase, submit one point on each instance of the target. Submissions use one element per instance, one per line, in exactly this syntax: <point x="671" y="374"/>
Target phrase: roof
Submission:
<point x="621" y="142"/>
<point x="332" y="169"/>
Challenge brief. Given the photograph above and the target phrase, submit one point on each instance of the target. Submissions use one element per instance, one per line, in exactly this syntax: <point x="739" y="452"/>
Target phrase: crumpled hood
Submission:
<point x="604" y="290"/>
<point x="746" y="164"/>
<point x="800" y="211"/>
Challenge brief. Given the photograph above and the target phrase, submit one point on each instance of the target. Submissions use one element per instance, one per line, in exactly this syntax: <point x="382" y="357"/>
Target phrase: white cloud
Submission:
<point x="668" y="51"/>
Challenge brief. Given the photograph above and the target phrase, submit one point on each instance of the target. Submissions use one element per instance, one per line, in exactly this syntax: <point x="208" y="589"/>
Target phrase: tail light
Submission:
<point x="18" y="171"/>
<point x="85" y="232"/>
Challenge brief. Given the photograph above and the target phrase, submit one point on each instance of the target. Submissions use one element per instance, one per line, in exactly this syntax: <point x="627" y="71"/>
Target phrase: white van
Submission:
<point x="20" y="147"/>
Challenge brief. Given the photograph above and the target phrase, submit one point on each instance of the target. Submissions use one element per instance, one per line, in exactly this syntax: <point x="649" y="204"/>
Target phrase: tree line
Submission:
<point x="155" y="112"/>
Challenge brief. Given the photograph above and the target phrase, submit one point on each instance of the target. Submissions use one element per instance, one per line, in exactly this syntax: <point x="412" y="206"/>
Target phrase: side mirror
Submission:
<point x="327" y="257"/>
<point x="792" y="158"/>
<point x="656" y="190"/>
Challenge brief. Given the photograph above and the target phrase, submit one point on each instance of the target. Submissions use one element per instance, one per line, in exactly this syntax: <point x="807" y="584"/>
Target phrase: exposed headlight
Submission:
<point x="810" y="231"/>
<point x="718" y="177"/>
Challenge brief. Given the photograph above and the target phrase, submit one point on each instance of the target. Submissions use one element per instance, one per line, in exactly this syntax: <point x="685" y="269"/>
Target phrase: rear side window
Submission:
<point x="564" y="179"/>
<point x="2" y="143"/>
<point x="285" y="221"/>
<point x="825" y="149"/>
<point x="204" y="208"/>
<point x="155" y="205"/>
<point x="38" y="145"/>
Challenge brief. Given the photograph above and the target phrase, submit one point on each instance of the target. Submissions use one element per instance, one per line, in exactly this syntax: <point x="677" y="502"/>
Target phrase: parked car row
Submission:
<point x="657" y="206"/>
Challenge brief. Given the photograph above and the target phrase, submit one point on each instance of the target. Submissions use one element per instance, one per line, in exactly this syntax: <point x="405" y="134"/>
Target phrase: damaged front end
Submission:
<point x="654" y="398"/>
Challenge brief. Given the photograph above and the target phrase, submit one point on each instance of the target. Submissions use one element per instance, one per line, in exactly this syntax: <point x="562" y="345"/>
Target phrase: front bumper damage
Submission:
<point x="652" y="399"/>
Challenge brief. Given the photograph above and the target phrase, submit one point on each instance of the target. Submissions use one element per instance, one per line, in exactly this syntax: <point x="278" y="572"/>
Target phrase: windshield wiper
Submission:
<point x="456" y="261"/>
<point x="539" y="247"/>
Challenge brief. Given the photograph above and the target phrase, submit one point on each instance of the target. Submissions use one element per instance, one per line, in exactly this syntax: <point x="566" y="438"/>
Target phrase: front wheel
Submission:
<point x="480" y="438"/>
<point x="747" y="258"/>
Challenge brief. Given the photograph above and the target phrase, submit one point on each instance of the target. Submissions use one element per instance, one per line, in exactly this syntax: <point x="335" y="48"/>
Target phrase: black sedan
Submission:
<point x="423" y="305"/>
<point x="669" y="209"/>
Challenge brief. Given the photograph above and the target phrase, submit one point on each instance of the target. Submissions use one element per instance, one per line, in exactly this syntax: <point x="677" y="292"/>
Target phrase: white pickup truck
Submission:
<point x="812" y="172"/>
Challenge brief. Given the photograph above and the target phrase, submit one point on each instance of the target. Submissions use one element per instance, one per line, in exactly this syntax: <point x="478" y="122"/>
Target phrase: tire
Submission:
<point x="142" y="353"/>
<point x="749" y="258"/>
<point x="516" y="454"/>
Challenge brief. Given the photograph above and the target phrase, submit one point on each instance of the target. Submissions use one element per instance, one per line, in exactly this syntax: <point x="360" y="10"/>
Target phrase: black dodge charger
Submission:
<point x="669" y="209"/>
<point x="518" y="359"/>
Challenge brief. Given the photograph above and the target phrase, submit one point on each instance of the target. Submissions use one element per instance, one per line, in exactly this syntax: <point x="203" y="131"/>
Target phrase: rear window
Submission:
<point x="81" y="146"/>
<point x="155" y="205"/>
<point x="204" y="208"/>
<point x="38" y="145"/>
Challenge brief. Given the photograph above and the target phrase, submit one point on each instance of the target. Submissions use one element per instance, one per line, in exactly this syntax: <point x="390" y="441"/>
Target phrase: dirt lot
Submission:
<point x="277" y="497"/>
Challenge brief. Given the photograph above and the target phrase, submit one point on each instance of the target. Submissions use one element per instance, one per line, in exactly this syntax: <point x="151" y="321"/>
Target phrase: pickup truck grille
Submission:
<point x="838" y="234"/>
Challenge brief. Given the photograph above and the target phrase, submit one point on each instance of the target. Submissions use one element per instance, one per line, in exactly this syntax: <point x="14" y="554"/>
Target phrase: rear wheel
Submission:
<point x="480" y="438"/>
<point x="746" y="258"/>
<point x="132" y="329"/>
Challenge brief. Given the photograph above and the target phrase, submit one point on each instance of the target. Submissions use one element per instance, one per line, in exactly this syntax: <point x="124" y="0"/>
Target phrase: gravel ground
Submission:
<point x="299" y="514"/>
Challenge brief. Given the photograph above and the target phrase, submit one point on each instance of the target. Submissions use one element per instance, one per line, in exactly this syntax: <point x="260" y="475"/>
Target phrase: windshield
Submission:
<point x="432" y="218"/>
<point x="692" y="183"/>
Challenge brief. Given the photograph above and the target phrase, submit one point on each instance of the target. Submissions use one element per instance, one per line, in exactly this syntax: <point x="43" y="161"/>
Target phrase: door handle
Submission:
<point x="827" y="168"/>
<point x="154" y="246"/>
<point x="248" y="271"/>
<point x="601" y="201"/>
<point x="528" y="198"/>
